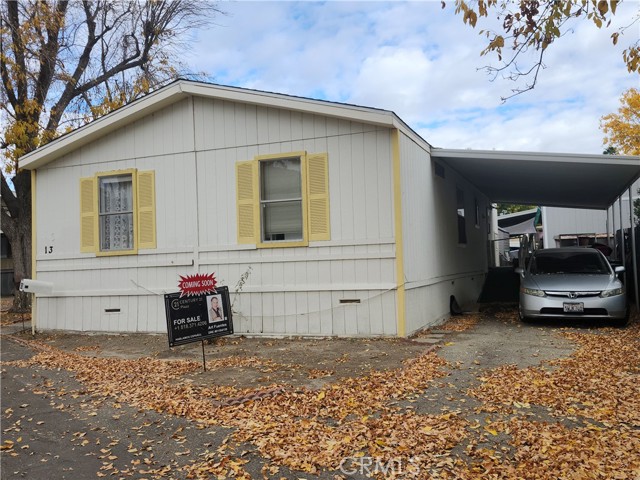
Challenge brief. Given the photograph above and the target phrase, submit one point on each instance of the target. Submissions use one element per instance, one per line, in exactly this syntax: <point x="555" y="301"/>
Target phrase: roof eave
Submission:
<point x="523" y="177"/>
<point x="444" y="153"/>
<point x="182" y="89"/>
<point x="288" y="102"/>
<point x="102" y="126"/>
<point x="368" y="115"/>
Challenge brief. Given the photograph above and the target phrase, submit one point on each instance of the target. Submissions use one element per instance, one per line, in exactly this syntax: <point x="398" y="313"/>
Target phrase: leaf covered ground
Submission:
<point x="577" y="416"/>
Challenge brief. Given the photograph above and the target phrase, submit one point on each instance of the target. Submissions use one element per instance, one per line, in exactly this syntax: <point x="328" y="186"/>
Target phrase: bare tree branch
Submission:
<point x="49" y="53"/>
<point x="533" y="26"/>
<point x="13" y="19"/>
<point x="69" y="90"/>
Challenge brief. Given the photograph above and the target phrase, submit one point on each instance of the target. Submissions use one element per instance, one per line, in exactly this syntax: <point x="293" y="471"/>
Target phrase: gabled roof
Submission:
<point x="182" y="89"/>
<point x="529" y="178"/>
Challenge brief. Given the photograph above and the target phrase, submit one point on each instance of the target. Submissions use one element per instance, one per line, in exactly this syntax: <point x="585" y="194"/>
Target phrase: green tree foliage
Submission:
<point x="534" y="25"/>
<point x="67" y="62"/>
<point x="506" y="208"/>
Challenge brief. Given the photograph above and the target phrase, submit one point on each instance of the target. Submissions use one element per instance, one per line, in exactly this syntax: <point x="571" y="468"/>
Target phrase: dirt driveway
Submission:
<point x="495" y="339"/>
<point x="481" y="397"/>
<point x="253" y="362"/>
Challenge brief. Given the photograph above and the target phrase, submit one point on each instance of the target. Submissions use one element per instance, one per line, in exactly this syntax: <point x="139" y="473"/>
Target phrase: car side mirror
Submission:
<point x="519" y="271"/>
<point x="618" y="269"/>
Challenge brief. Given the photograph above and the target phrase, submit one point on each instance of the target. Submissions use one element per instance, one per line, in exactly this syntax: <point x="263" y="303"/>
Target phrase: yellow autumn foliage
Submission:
<point x="622" y="129"/>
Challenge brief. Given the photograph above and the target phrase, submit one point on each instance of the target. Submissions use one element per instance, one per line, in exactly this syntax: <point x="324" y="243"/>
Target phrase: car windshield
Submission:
<point x="568" y="262"/>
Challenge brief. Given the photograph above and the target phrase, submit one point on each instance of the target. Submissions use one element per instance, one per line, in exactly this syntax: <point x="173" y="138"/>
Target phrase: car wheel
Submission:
<point x="622" y="322"/>
<point x="522" y="318"/>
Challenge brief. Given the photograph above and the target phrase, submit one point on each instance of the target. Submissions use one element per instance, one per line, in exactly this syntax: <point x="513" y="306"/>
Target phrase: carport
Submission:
<point x="549" y="179"/>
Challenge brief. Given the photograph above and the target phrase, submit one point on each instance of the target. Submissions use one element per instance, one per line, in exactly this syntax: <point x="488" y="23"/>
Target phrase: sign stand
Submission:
<point x="204" y="362"/>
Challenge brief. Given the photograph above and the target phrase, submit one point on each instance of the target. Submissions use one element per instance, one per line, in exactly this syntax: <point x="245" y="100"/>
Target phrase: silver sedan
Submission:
<point x="571" y="283"/>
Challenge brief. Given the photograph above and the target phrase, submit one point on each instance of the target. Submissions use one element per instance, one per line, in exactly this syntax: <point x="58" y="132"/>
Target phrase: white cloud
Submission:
<point x="421" y="62"/>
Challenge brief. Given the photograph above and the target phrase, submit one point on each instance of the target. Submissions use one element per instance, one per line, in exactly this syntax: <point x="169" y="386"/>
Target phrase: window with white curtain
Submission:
<point x="116" y="212"/>
<point x="281" y="199"/>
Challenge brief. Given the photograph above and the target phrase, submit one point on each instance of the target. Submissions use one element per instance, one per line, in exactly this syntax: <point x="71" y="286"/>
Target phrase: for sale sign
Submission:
<point x="198" y="317"/>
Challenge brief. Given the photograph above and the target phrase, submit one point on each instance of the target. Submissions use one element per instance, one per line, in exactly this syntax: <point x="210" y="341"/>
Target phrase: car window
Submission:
<point x="561" y="262"/>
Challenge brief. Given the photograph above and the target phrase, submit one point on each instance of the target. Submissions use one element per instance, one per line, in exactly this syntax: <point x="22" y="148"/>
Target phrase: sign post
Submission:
<point x="198" y="312"/>
<point x="204" y="360"/>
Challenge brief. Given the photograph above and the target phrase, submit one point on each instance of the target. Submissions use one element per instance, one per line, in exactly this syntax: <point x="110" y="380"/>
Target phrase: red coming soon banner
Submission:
<point x="197" y="284"/>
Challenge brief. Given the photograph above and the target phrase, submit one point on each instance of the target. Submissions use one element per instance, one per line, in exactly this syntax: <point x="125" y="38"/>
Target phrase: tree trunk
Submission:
<point x="17" y="228"/>
<point x="21" y="265"/>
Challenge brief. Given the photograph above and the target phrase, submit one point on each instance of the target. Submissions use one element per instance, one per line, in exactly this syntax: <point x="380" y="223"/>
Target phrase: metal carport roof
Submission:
<point x="549" y="179"/>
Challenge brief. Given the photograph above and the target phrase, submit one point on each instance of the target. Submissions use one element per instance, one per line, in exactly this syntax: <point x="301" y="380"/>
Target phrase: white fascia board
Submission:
<point x="535" y="156"/>
<point x="403" y="127"/>
<point x="103" y="125"/>
<point x="355" y="113"/>
<point x="301" y="104"/>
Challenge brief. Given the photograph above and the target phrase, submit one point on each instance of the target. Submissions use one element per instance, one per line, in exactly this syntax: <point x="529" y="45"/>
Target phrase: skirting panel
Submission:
<point x="314" y="313"/>
<point x="429" y="305"/>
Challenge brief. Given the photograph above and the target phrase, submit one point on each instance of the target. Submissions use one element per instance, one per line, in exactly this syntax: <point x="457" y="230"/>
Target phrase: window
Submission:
<point x="283" y="200"/>
<point x="117" y="212"/>
<point x="5" y="250"/>
<point x="462" y="227"/>
<point x="115" y="207"/>
<point x="589" y="262"/>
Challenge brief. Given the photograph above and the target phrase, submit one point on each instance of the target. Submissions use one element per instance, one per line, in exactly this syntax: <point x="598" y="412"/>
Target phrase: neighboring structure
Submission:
<point x="6" y="267"/>
<point x="520" y="223"/>
<point x="516" y="225"/>
<point x="322" y="218"/>
<point x="578" y="227"/>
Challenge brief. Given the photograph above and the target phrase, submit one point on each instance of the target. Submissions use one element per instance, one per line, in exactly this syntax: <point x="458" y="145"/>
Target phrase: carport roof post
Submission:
<point x="634" y="253"/>
<point x="549" y="179"/>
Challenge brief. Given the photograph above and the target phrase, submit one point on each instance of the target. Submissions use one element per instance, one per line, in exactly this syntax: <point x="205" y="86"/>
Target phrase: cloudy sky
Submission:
<point x="421" y="62"/>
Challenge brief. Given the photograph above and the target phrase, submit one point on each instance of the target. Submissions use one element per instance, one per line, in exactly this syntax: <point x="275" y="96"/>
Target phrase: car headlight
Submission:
<point x="612" y="293"/>
<point x="532" y="291"/>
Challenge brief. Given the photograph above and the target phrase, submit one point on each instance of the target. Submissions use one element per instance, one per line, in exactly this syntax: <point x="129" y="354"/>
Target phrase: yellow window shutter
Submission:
<point x="88" y="215"/>
<point x="146" y="210"/>
<point x="318" y="204"/>
<point x="247" y="201"/>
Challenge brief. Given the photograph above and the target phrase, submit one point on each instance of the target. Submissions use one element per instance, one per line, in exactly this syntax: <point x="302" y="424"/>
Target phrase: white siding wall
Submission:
<point x="568" y="221"/>
<point x="563" y="221"/>
<point x="358" y="262"/>
<point x="435" y="265"/>
<point x="193" y="146"/>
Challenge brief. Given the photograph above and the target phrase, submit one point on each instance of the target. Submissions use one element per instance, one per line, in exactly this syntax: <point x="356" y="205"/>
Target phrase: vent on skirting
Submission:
<point x="111" y="310"/>
<point x="349" y="300"/>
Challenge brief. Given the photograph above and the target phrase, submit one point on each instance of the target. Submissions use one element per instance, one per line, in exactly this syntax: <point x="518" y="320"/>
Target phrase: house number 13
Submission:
<point x="48" y="249"/>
